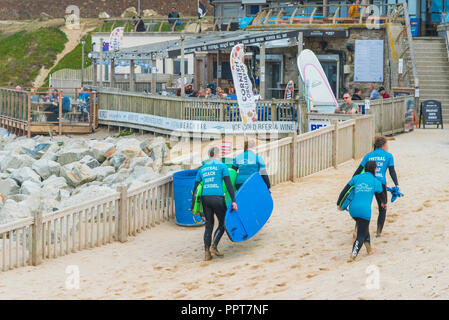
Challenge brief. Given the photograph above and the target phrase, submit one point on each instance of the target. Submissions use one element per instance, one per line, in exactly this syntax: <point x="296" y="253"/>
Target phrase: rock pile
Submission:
<point x="47" y="174"/>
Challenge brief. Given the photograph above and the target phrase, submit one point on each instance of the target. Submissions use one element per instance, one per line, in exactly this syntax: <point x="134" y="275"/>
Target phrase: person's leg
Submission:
<point x="362" y="237"/>
<point x="220" y="211"/>
<point x="209" y="216"/>
<point x="382" y="211"/>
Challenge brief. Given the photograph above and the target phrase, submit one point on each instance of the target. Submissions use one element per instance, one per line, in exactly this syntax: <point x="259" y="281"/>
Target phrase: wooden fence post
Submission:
<point x="123" y="214"/>
<point x="293" y="157"/>
<point x="60" y="114"/>
<point x="335" y="144"/>
<point x="29" y="116"/>
<point x="354" y="139"/>
<point x="36" y="244"/>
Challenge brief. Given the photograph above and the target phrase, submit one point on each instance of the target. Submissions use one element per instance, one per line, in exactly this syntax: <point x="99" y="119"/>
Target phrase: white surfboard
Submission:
<point x="317" y="86"/>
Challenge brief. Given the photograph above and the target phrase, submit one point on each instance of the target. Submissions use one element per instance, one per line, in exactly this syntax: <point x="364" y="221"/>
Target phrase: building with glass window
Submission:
<point x="429" y="12"/>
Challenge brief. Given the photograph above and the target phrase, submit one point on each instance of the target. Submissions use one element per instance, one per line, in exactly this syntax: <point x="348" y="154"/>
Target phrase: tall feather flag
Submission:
<point x="242" y="85"/>
<point x="201" y="10"/>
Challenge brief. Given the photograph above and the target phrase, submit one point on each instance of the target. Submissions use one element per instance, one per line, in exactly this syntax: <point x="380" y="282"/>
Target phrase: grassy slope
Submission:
<point x="24" y="53"/>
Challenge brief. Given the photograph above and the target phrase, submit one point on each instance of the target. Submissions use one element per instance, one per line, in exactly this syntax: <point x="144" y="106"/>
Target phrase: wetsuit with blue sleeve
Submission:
<point x="248" y="163"/>
<point x="384" y="161"/>
<point x="212" y="174"/>
<point x="365" y="186"/>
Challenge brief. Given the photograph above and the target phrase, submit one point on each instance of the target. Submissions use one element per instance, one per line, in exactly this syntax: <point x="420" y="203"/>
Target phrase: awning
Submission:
<point x="205" y="42"/>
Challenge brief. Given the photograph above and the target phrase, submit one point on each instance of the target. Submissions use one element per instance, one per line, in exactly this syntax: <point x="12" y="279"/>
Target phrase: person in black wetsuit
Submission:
<point x="384" y="161"/>
<point x="213" y="173"/>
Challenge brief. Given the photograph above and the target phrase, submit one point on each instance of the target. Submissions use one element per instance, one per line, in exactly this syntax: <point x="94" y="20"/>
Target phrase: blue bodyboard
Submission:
<point x="255" y="206"/>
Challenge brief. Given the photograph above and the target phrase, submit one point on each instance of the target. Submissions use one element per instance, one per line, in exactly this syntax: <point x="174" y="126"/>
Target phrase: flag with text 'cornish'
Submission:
<point x="201" y="10"/>
<point x="243" y="85"/>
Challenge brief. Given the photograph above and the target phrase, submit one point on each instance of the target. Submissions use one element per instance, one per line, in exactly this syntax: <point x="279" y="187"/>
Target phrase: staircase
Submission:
<point x="432" y="64"/>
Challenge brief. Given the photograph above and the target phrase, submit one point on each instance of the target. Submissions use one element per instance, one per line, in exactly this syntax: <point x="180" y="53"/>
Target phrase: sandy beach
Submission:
<point x="301" y="253"/>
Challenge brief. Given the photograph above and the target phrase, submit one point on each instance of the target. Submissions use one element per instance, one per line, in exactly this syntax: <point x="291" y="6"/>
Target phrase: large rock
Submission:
<point x="118" y="177"/>
<point x="73" y="155"/>
<point x="86" y="194"/>
<point x="102" y="172"/>
<point x="77" y="174"/>
<point x="142" y="173"/>
<point x="44" y="17"/>
<point x="38" y="150"/>
<point x="140" y="161"/>
<point x="13" y="211"/>
<point x="17" y="145"/>
<point x="30" y="187"/>
<point x="149" y="13"/>
<point x="46" y="168"/>
<point x="129" y="13"/>
<point x="117" y="161"/>
<point x="16" y="161"/>
<point x="54" y="182"/>
<point x="104" y="15"/>
<point x="158" y="149"/>
<point x="25" y="174"/>
<point x="90" y="161"/>
<point x="102" y="150"/>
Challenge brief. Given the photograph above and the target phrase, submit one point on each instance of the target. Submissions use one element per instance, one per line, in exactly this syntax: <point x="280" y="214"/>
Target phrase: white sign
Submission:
<point x="318" y="124"/>
<point x="369" y="61"/>
<point x="116" y="38"/>
<point x="401" y="66"/>
<point x="197" y="126"/>
<point x="243" y="86"/>
<point x="367" y="104"/>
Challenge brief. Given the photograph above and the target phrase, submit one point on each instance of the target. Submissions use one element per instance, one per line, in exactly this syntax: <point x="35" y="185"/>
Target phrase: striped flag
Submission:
<point x="201" y="10"/>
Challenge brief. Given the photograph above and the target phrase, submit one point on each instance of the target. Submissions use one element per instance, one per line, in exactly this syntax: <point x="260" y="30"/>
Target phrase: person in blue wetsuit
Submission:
<point x="248" y="163"/>
<point x="384" y="160"/>
<point x="213" y="173"/>
<point x="365" y="186"/>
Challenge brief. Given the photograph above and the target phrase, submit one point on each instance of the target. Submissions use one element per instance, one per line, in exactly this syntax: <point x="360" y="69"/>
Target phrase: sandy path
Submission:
<point x="74" y="37"/>
<point x="300" y="254"/>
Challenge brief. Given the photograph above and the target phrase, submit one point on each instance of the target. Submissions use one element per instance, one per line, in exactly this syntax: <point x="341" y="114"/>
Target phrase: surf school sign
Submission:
<point x="213" y="127"/>
<point x="243" y="86"/>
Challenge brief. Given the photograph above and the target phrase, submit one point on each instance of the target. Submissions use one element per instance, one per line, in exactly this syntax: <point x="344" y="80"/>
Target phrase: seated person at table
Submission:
<point x="383" y="93"/>
<point x="54" y="97"/>
<point x="348" y="106"/>
<point x="65" y="103"/>
<point x="232" y="94"/>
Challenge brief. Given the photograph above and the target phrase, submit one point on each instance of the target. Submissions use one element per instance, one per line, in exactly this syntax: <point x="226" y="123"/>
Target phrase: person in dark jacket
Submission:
<point x="357" y="94"/>
<point x="172" y="18"/>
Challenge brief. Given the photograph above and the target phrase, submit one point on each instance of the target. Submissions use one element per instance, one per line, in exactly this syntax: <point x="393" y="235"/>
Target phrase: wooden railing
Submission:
<point x="15" y="111"/>
<point x="193" y="108"/>
<point x="126" y="212"/>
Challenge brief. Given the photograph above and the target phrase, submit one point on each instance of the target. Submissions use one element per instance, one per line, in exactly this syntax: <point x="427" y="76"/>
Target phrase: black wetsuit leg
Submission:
<point x="381" y="198"/>
<point x="211" y="205"/>
<point x="362" y="235"/>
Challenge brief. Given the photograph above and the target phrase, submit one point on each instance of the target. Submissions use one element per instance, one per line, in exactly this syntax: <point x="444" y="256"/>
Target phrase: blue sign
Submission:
<point x="414" y="26"/>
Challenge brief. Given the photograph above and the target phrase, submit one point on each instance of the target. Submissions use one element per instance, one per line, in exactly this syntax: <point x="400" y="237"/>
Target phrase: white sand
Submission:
<point x="300" y="254"/>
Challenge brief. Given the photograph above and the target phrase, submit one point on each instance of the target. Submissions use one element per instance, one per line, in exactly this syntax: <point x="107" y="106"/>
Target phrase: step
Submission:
<point x="432" y="63"/>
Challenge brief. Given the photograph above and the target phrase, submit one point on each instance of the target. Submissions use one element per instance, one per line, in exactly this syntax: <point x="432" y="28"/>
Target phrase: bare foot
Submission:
<point x="378" y="234"/>
<point x="351" y="258"/>
<point x="369" y="249"/>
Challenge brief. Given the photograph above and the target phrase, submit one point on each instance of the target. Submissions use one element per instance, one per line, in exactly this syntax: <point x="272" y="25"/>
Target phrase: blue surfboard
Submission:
<point x="255" y="206"/>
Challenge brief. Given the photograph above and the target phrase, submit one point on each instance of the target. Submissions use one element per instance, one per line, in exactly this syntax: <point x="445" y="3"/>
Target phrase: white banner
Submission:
<point x="243" y="86"/>
<point x="115" y="39"/>
<point x="197" y="126"/>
